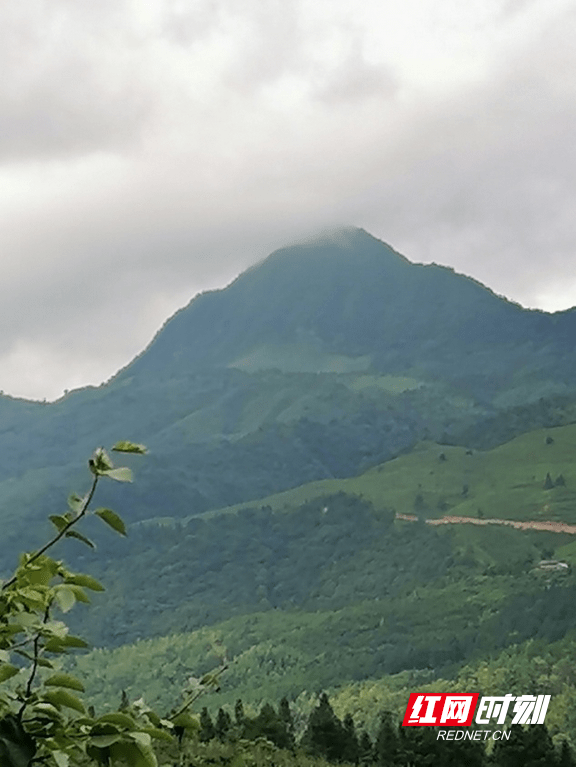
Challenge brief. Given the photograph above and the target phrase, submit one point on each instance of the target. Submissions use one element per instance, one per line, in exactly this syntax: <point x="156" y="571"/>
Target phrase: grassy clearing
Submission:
<point x="437" y="480"/>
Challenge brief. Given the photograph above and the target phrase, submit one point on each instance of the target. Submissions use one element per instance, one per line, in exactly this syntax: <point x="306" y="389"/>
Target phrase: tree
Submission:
<point x="418" y="746"/>
<point x="350" y="750"/>
<point x="207" y="731"/>
<point x="566" y="756"/>
<point x="223" y="724"/>
<point x="286" y="716"/>
<point x="270" y="725"/>
<point x="387" y="744"/>
<point x="239" y="715"/>
<point x="324" y="734"/>
<point x="365" y="749"/>
<point x="527" y="747"/>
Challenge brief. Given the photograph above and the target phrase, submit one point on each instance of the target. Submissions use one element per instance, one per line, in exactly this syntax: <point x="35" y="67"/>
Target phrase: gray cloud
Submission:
<point x="146" y="157"/>
<point x="356" y="79"/>
<point x="69" y="86"/>
<point x="486" y="183"/>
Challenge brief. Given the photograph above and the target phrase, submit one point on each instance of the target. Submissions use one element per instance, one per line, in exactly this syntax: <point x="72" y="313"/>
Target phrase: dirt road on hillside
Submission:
<point x="545" y="525"/>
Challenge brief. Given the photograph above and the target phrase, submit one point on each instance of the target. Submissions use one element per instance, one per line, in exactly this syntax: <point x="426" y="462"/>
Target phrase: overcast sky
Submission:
<point x="150" y="149"/>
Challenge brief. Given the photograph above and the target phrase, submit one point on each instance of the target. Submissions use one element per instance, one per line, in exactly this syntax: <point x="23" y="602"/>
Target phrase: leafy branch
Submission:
<point x="42" y="719"/>
<point x="63" y="529"/>
<point x="201" y="687"/>
<point x="101" y="466"/>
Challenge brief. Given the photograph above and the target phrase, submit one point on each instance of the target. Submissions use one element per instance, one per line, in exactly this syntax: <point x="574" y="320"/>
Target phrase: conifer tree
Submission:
<point x="207" y="731"/>
<point x="459" y="752"/>
<point x="324" y="735"/>
<point x="239" y="715"/>
<point x="419" y="747"/>
<point x="365" y="749"/>
<point x="270" y="725"/>
<point x="566" y="756"/>
<point x="223" y="724"/>
<point x="387" y="745"/>
<point x="527" y="747"/>
<point x="286" y="715"/>
<point x="350" y="750"/>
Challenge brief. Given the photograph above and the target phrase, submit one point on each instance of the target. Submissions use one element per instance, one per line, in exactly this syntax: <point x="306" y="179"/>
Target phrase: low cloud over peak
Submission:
<point x="151" y="152"/>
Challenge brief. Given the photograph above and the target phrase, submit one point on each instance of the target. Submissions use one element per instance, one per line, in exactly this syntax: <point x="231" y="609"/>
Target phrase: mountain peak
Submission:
<point x="344" y="236"/>
<point x="346" y="293"/>
<point x="333" y="256"/>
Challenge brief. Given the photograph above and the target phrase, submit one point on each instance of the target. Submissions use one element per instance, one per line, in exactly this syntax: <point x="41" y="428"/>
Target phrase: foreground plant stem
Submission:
<point x="35" y="663"/>
<point x="61" y="533"/>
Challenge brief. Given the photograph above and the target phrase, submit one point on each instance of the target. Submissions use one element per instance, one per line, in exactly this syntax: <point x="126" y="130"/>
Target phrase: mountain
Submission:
<point x="348" y="302"/>
<point x="289" y="417"/>
<point x="329" y="357"/>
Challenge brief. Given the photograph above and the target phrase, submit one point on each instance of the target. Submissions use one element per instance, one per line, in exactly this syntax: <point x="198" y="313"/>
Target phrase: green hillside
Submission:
<point x="435" y="480"/>
<point x="320" y="589"/>
<point x="351" y="653"/>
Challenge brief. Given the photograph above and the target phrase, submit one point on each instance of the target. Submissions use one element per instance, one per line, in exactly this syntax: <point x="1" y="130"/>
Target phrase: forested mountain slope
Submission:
<point x="328" y="357"/>
<point x="332" y="543"/>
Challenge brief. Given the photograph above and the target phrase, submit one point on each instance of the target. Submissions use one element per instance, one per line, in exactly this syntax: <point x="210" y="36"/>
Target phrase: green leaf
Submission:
<point x="117" y="718"/>
<point x="61" y="697"/>
<point x="58" y="521"/>
<point x="61" y="759"/>
<point x="187" y="720"/>
<point x="62" y="644"/>
<point x="30" y="597"/>
<point x="112" y="519"/>
<point x="7" y="671"/>
<point x="101" y="461"/>
<point x="80" y="537"/>
<point x="65" y="597"/>
<point x="142" y="738"/>
<point x="129" y="447"/>
<point x="80" y="594"/>
<point x="41" y="574"/>
<point x="138" y="754"/>
<point x="87" y="581"/>
<point x="65" y="680"/>
<point x="47" y="711"/>
<point x="76" y="502"/>
<point x="56" y="629"/>
<point x="210" y="680"/>
<point x="71" y="641"/>
<point x="155" y="732"/>
<point x="103" y="741"/>
<point x="45" y="663"/>
<point x="121" y="474"/>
